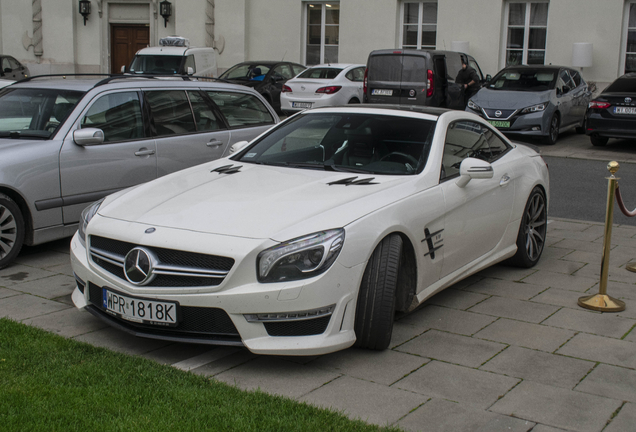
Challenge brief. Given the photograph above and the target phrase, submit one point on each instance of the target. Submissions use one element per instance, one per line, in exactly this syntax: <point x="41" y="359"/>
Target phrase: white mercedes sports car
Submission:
<point x="310" y="238"/>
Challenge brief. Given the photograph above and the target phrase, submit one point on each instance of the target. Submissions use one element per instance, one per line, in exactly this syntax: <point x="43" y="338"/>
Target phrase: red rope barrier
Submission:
<point x="621" y="204"/>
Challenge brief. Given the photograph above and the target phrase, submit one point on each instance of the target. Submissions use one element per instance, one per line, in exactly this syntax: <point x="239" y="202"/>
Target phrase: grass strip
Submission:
<point x="50" y="383"/>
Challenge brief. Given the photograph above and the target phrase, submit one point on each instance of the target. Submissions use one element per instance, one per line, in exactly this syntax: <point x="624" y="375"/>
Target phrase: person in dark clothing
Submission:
<point x="468" y="79"/>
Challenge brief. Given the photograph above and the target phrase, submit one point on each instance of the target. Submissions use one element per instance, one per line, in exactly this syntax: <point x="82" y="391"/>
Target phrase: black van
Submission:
<point x="416" y="77"/>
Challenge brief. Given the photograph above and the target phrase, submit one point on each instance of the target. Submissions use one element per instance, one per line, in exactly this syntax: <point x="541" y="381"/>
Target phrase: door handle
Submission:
<point x="144" y="152"/>
<point x="214" y="143"/>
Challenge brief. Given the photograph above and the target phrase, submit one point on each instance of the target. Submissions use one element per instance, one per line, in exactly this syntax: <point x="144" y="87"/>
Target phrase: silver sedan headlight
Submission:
<point x="300" y="258"/>
<point x="85" y="218"/>
<point x="535" y="108"/>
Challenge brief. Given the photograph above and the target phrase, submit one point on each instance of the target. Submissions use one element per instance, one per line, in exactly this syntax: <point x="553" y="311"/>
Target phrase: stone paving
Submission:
<point x="506" y="349"/>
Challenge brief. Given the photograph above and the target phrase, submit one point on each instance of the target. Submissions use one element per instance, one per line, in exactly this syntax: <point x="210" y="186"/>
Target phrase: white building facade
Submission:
<point x="51" y="36"/>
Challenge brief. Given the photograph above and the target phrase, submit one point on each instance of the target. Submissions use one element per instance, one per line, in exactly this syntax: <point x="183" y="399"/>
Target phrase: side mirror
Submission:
<point x="566" y="89"/>
<point x="88" y="137"/>
<point x="488" y="78"/>
<point x="472" y="168"/>
<point x="238" y="146"/>
<point x="190" y="71"/>
<point x="123" y="69"/>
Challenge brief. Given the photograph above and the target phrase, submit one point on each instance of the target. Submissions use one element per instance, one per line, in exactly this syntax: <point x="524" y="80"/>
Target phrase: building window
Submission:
<point x="323" y="26"/>
<point x="630" y="47"/>
<point x="419" y="25"/>
<point x="527" y="28"/>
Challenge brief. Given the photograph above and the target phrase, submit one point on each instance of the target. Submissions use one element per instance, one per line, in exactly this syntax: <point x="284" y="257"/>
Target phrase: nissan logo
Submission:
<point x="138" y="266"/>
<point x="498" y="113"/>
<point x="412" y="93"/>
<point x="628" y="100"/>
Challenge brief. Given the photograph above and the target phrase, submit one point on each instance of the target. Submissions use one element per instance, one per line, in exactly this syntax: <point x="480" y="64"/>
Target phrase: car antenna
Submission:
<point x="284" y="56"/>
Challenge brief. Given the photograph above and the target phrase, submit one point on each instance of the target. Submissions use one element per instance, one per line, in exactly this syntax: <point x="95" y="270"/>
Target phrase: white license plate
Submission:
<point x="624" y="110"/>
<point x="381" y="92"/>
<point x="140" y="310"/>
<point x="301" y="104"/>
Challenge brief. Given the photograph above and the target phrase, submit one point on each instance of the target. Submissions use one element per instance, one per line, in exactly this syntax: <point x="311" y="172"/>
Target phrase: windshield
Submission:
<point x="524" y="79"/>
<point x="253" y="72"/>
<point x="156" y="64"/>
<point x="357" y="143"/>
<point x="34" y="113"/>
<point x="320" y="73"/>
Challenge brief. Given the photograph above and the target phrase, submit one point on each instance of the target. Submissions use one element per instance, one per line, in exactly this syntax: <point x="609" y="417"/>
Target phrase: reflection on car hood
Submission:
<point x="505" y="99"/>
<point x="256" y="202"/>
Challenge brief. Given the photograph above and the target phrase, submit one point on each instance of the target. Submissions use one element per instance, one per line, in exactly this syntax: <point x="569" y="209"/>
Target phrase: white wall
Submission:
<point x="477" y="22"/>
<point x="230" y="23"/>
<point x="273" y="30"/>
<point x="598" y="22"/>
<point x="366" y="25"/>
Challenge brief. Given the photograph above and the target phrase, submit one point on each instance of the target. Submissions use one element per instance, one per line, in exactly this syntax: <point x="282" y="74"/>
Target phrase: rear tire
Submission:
<point x="11" y="230"/>
<point x="375" y="308"/>
<point x="532" y="231"/>
<point x="598" y="141"/>
<point x="553" y="131"/>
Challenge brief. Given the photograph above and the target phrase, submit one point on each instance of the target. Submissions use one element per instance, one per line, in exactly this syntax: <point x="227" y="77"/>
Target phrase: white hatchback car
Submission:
<point x="323" y="86"/>
<point x="310" y="238"/>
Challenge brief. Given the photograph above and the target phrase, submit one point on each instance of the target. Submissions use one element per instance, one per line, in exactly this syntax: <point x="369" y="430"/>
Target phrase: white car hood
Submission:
<point x="256" y="202"/>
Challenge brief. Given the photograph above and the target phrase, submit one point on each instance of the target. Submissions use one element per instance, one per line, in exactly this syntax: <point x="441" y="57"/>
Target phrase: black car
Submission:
<point x="11" y="69"/>
<point x="613" y="113"/>
<point x="266" y="77"/>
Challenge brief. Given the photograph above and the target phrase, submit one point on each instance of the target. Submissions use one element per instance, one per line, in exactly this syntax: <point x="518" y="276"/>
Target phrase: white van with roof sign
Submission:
<point x="174" y="56"/>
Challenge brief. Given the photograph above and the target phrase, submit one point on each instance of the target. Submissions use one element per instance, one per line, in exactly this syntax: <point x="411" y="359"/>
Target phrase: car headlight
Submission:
<point x="85" y="218"/>
<point x="535" y="108"/>
<point x="473" y="106"/>
<point x="300" y="258"/>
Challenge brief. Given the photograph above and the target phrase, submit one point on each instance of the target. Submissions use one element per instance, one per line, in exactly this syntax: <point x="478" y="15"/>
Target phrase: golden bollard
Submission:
<point x="601" y="301"/>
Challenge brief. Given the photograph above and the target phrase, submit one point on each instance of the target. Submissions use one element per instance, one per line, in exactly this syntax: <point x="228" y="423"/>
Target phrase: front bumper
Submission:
<point x="532" y="124"/>
<point x="238" y="311"/>
<point x="606" y="125"/>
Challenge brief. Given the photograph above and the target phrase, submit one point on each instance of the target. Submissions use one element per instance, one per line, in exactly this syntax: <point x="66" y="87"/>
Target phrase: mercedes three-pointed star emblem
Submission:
<point x="138" y="266"/>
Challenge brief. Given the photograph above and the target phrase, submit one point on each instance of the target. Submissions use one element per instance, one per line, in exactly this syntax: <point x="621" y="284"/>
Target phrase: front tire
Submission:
<point x="532" y="231"/>
<point x="11" y="230"/>
<point x="553" y="131"/>
<point x="376" y="300"/>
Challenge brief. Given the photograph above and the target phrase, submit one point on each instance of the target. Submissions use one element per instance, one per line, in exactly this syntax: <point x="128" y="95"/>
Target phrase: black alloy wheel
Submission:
<point x="11" y="230"/>
<point x="532" y="231"/>
<point x="553" y="131"/>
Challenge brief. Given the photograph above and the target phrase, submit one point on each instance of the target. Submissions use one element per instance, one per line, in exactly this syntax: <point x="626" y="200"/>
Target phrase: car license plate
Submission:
<point x="140" y="310"/>
<point x="381" y="92"/>
<point x="301" y="104"/>
<point x="499" y="123"/>
<point x="624" y="110"/>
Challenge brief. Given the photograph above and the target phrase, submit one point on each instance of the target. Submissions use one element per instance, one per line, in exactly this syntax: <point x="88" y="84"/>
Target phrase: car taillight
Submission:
<point x="286" y="89"/>
<point x="328" y="89"/>
<point x="599" y="104"/>
<point x="430" y="85"/>
<point x="364" y="83"/>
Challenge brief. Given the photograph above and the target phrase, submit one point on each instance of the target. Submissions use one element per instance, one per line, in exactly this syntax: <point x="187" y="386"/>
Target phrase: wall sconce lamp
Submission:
<point x="84" y="9"/>
<point x="165" y="9"/>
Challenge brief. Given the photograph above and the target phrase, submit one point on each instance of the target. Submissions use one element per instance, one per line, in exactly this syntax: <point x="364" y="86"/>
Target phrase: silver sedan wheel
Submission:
<point x="11" y="230"/>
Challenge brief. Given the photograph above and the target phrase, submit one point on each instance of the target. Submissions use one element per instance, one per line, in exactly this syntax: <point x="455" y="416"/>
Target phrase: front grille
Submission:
<point x="298" y="328"/>
<point x="196" y="322"/>
<point x="209" y="270"/>
<point x="505" y="113"/>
